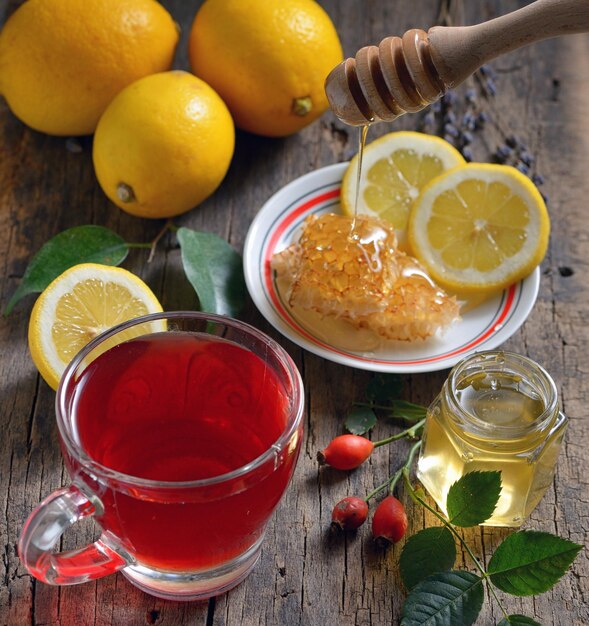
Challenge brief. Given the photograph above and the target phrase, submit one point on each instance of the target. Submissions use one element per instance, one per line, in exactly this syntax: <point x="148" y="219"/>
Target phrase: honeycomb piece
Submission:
<point x="350" y="268"/>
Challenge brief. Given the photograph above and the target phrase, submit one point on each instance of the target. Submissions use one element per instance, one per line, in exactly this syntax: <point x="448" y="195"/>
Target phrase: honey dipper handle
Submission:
<point x="407" y="73"/>
<point x="458" y="51"/>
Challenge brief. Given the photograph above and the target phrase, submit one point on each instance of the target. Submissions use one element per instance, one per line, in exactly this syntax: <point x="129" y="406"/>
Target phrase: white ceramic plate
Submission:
<point x="482" y="328"/>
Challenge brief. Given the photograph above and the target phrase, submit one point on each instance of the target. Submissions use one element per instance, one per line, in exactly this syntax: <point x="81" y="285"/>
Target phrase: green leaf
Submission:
<point x="518" y="620"/>
<point x="81" y="244"/>
<point x="215" y="270"/>
<point x="445" y="599"/>
<point x="531" y="562"/>
<point x="384" y="388"/>
<point x="429" y="551"/>
<point x="360" y="420"/>
<point x="472" y="499"/>
<point x="408" y="411"/>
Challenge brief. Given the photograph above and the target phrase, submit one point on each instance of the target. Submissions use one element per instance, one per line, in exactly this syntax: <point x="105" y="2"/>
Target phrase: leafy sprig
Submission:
<point x="382" y="394"/>
<point x="212" y="266"/>
<point x="527" y="562"/>
<point x="82" y="244"/>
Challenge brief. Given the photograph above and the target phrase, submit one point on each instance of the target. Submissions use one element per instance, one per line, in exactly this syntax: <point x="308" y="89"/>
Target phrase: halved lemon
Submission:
<point x="78" y="305"/>
<point x="395" y="168"/>
<point x="479" y="228"/>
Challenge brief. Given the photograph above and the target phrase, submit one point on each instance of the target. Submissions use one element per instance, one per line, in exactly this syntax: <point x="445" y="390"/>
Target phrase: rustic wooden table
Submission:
<point x="305" y="576"/>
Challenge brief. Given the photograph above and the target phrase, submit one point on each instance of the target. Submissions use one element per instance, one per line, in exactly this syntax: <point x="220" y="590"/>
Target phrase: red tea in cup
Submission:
<point x="177" y="407"/>
<point x="181" y="443"/>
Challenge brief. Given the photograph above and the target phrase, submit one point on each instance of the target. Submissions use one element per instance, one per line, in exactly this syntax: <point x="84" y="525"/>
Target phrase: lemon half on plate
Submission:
<point x="78" y="305"/>
<point x="479" y="228"/>
<point x="395" y="168"/>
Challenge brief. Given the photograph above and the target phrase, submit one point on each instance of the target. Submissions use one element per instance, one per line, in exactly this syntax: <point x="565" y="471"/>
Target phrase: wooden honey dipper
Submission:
<point x="406" y="74"/>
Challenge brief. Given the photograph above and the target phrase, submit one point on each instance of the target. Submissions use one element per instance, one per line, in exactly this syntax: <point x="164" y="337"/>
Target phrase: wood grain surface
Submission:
<point x="305" y="576"/>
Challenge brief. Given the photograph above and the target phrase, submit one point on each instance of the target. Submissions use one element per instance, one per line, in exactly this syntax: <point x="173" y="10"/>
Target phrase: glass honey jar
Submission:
<point x="496" y="411"/>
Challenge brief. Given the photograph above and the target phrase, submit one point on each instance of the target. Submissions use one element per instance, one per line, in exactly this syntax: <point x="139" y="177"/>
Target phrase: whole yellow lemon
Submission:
<point x="63" y="61"/>
<point x="268" y="59"/>
<point x="163" y="145"/>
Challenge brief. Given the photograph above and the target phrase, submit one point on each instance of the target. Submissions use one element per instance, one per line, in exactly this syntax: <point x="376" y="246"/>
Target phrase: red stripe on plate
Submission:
<point x="291" y="217"/>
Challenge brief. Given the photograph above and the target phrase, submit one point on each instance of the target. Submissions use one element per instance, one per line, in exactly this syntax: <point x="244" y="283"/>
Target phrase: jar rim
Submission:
<point x="516" y="363"/>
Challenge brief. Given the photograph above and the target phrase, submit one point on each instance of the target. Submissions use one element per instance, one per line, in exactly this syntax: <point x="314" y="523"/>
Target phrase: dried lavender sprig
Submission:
<point x="458" y="120"/>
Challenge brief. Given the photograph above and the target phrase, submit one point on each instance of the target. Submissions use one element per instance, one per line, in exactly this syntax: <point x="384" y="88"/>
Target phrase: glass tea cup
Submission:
<point x="180" y="432"/>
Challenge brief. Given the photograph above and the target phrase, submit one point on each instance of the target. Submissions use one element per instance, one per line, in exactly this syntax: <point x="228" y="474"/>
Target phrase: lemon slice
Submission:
<point x="479" y="228"/>
<point x="77" y="306"/>
<point x="395" y="168"/>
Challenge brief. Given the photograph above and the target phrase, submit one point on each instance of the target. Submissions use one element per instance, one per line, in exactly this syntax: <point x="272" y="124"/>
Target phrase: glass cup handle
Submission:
<point x="47" y="523"/>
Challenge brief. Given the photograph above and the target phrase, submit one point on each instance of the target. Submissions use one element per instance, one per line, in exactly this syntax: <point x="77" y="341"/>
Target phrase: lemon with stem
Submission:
<point x="163" y="145"/>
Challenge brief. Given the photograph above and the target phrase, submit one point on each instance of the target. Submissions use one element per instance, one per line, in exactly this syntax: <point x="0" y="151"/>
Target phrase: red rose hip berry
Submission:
<point x="349" y="513"/>
<point x="346" y="452"/>
<point x="389" y="522"/>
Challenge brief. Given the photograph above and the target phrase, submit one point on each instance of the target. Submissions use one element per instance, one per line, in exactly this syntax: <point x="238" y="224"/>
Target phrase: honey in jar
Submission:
<point x="497" y="411"/>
